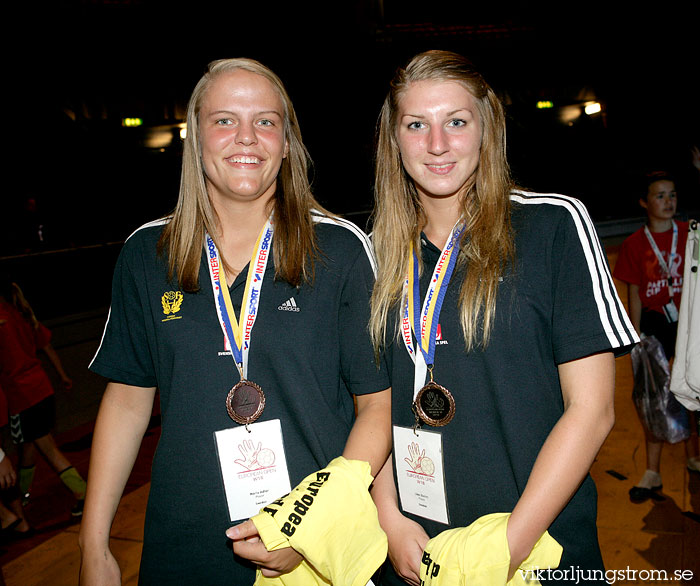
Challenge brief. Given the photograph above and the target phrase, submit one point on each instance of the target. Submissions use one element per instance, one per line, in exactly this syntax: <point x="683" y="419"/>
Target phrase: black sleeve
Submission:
<point x="359" y="368"/>
<point x="588" y="316"/>
<point x="125" y="354"/>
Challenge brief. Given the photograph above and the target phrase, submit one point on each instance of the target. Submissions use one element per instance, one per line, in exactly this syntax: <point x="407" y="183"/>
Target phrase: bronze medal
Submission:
<point x="245" y="402"/>
<point x="434" y="404"/>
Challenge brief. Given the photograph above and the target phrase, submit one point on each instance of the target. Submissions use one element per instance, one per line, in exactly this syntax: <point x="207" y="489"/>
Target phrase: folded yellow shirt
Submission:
<point x="331" y="520"/>
<point x="478" y="555"/>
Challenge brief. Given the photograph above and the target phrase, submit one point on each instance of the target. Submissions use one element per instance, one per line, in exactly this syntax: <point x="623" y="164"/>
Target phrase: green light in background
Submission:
<point x="545" y="104"/>
<point x="132" y="122"/>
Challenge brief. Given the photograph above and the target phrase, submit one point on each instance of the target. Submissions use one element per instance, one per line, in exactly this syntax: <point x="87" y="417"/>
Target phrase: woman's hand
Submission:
<point x="99" y="568"/>
<point x="247" y="544"/>
<point x="124" y="413"/>
<point x="407" y="540"/>
<point x="517" y="554"/>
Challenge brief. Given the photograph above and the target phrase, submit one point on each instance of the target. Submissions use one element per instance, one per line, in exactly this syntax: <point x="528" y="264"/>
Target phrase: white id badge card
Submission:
<point x="253" y="467"/>
<point x="671" y="312"/>
<point x="420" y="473"/>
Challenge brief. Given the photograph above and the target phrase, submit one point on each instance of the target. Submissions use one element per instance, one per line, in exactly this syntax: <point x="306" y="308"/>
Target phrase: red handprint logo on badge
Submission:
<point x="255" y="457"/>
<point x="418" y="461"/>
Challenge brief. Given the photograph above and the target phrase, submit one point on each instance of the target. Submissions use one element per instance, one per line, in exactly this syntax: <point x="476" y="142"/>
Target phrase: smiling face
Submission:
<point x="242" y="137"/>
<point x="660" y="202"/>
<point x="439" y="136"/>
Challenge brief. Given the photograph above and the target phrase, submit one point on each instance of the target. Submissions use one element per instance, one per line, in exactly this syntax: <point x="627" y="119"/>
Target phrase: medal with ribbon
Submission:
<point x="246" y="400"/>
<point x="432" y="403"/>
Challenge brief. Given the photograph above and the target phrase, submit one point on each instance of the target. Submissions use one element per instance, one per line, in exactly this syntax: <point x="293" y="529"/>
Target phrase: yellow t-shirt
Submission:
<point x="478" y="555"/>
<point x="331" y="520"/>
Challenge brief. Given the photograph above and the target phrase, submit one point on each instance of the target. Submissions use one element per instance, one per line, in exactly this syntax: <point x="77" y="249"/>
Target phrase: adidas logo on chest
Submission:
<point x="289" y="305"/>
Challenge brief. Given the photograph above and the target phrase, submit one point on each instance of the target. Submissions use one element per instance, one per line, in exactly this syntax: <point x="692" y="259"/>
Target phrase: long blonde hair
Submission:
<point x="398" y="217"/>
<point x="182" y="239"/>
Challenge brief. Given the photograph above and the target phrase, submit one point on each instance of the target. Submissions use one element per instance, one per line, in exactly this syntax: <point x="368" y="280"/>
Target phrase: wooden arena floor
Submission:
<point x="661" y="535"/>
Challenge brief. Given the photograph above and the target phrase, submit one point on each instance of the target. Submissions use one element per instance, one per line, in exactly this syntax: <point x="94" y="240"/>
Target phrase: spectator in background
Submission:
<point x="651" y="263"/>
<point x="30" y="395"/>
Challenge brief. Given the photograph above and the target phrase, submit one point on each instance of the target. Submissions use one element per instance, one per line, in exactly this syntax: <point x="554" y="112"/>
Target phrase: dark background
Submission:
<point x="77" y="68"/>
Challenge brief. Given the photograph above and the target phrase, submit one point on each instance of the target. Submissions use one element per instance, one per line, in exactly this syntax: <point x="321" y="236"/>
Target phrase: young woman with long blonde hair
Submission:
<point x="247" y="304"/>
<point x="500" y="322"/>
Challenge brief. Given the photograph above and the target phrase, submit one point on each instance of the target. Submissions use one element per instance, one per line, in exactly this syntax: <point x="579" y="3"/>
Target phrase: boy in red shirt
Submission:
<point x="651" y="263"/>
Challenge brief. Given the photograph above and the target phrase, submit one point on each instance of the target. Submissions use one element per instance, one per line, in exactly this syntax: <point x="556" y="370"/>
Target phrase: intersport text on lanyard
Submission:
<point x="237" y="333"/>
<point x="423" y="322"/>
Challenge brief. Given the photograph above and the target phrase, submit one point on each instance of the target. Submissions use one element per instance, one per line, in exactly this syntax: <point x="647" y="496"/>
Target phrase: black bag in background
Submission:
<point x="659" y="411"/>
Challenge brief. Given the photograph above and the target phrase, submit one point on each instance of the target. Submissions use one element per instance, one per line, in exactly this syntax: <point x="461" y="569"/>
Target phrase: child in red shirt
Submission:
<point x="651" y="263"/>
<point x="29" y="393"/>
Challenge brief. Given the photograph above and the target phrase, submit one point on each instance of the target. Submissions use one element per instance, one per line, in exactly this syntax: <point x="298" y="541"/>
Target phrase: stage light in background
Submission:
<point x="592" y="108"/>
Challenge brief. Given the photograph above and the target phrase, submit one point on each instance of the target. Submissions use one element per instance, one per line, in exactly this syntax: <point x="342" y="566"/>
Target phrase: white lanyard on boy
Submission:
<point x="662" y="263"/>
